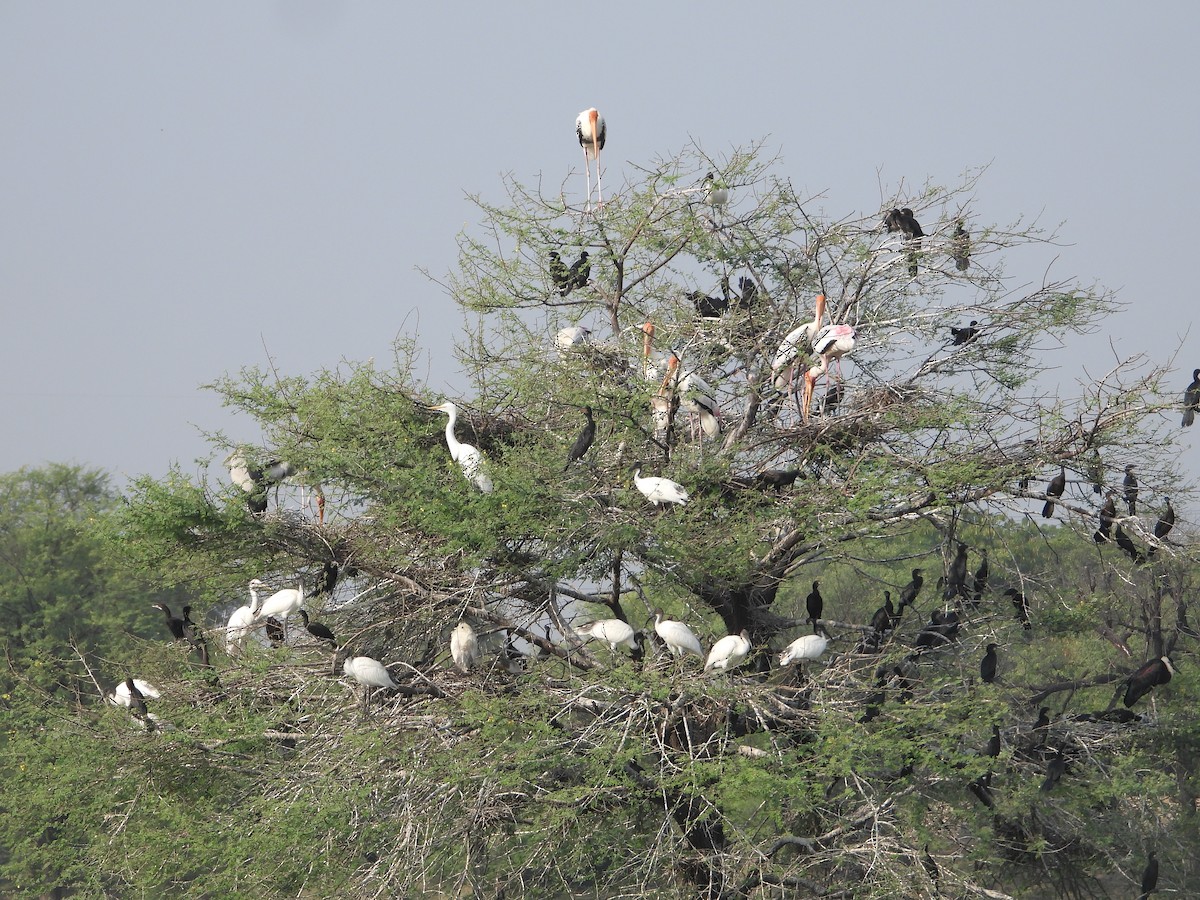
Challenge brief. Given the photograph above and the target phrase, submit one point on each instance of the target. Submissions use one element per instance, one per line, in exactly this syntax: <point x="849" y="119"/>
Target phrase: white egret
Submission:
<point x="464" y="647"/>
<point x="729" y="652"/>
<point x="468" y="457"/>
<point x="283" y="604"/>
<point x="241" y="623"/>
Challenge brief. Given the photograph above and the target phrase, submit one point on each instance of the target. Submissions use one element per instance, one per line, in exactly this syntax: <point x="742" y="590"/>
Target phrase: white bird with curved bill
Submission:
<point x="679" y="639"/>
<point x="592" y="132"/>
<point x="614" y="632"/>
<point x="808" y="647"/>
<point x="468" y="457"/>
<point x="571" y="337"/>
<point x="464" y="647"/>
<point x="660" y="490"/>
<point x="729" y="652"/>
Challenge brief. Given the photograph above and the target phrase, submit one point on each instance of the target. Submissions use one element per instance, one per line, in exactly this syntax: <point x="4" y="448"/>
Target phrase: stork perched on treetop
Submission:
<point x="831" y="343"/>
<point x="695" y="396"/>
<point x="592" y="131"/>
<point x="796" y="344"/>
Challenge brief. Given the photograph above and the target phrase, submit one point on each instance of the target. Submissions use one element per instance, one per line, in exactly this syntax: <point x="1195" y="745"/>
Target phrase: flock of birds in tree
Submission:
<point x="828" y="343"/>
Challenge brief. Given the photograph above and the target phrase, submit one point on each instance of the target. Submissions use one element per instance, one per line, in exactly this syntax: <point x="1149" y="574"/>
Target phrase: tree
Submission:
<point x="589" y="774"/>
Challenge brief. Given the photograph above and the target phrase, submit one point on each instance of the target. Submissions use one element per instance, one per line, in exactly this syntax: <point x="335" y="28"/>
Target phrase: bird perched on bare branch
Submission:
<point x="960" y="246"/>
<point x="1191" y="399"/>
<point x="1131" y="490"/>
<point x="904" y="221"/>
<point x="1054" y="490"/>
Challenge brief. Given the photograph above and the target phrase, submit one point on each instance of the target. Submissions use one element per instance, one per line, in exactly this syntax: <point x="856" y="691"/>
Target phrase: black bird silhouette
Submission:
<point x="987" y="666"/>
<point x="956" y="582"/>
<point x="1191" y="399"/>
<point x="1131" y="490"/>
<point x="993" y="744"/>
<point x="580" y="271"/>
<point x="834" y="396"/>
<point x="1055" y="769"/>
<point x="1043" y="720"/>
<point x="137" y="702"/>
<point x="1108" y="515"/>
<point x="1166" y="521"/>
<point x="1096" y="472"/>
<point x="909" y="593"/>
<point x="1146" y="677"/>
<point x="1054" y="490"/>
<point x="749" y="292"/>
<point x="328" y="578"/>
<point x="709" y="307"/>
<point x="979" y="787"/>
<point x="1149" y="875"/>
<point x="584" y="441"/>
<point x="981" y="576"/>
<point x="931" y="867"/>
<point x="559" y="274"/>
<point x="1021" y="604"/>
<point x="318" y="630"/>
<point x="885" y="617"/>
<point x="964" y="335"/>
<point x="275" y="633"/>
<point x="814" y="603"/>
<point x="777" y="479"/>
<point x="1124" y="542"/>
<point x="174" y="623"/>
<point x="904" y="221"/>
<point x="960" y="247"/>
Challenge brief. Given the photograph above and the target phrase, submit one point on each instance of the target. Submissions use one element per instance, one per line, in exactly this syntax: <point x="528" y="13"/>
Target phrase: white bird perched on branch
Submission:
<point x="283" y="604"/>
<point x="571" y="337"/>
<point x="468" y="457"/>
<point x="810" y="646"/>
<point x="677" y="636"/>
<point x="370" y="673"/>
<point x="659" y="490"/>
<point x="592" y="131"/>
<point x="464" y="647"/>
<point x="729" y="652"/>
<point x="796" y="344"/>
<point x="241" y="623"/>
<point x="614" y="632"/>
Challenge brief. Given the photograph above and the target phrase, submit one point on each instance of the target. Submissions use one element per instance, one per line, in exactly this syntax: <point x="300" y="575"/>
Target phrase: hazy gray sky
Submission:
<point x="186" y="187"/>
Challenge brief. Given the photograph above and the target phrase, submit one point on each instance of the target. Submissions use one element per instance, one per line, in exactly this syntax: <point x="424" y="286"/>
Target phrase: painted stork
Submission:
<point x="592" y="131"/>
<point x="830" y="344"/>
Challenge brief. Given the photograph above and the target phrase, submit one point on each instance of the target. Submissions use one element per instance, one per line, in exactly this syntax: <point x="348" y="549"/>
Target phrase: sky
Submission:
<point x="190" y="188"/>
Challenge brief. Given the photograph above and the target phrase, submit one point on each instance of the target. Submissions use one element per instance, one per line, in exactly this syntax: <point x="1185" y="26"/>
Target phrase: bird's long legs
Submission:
<point x="587" y="174"/>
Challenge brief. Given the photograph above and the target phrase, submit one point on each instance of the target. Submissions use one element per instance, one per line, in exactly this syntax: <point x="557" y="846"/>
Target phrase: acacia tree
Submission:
<point x="589" y="774"/>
